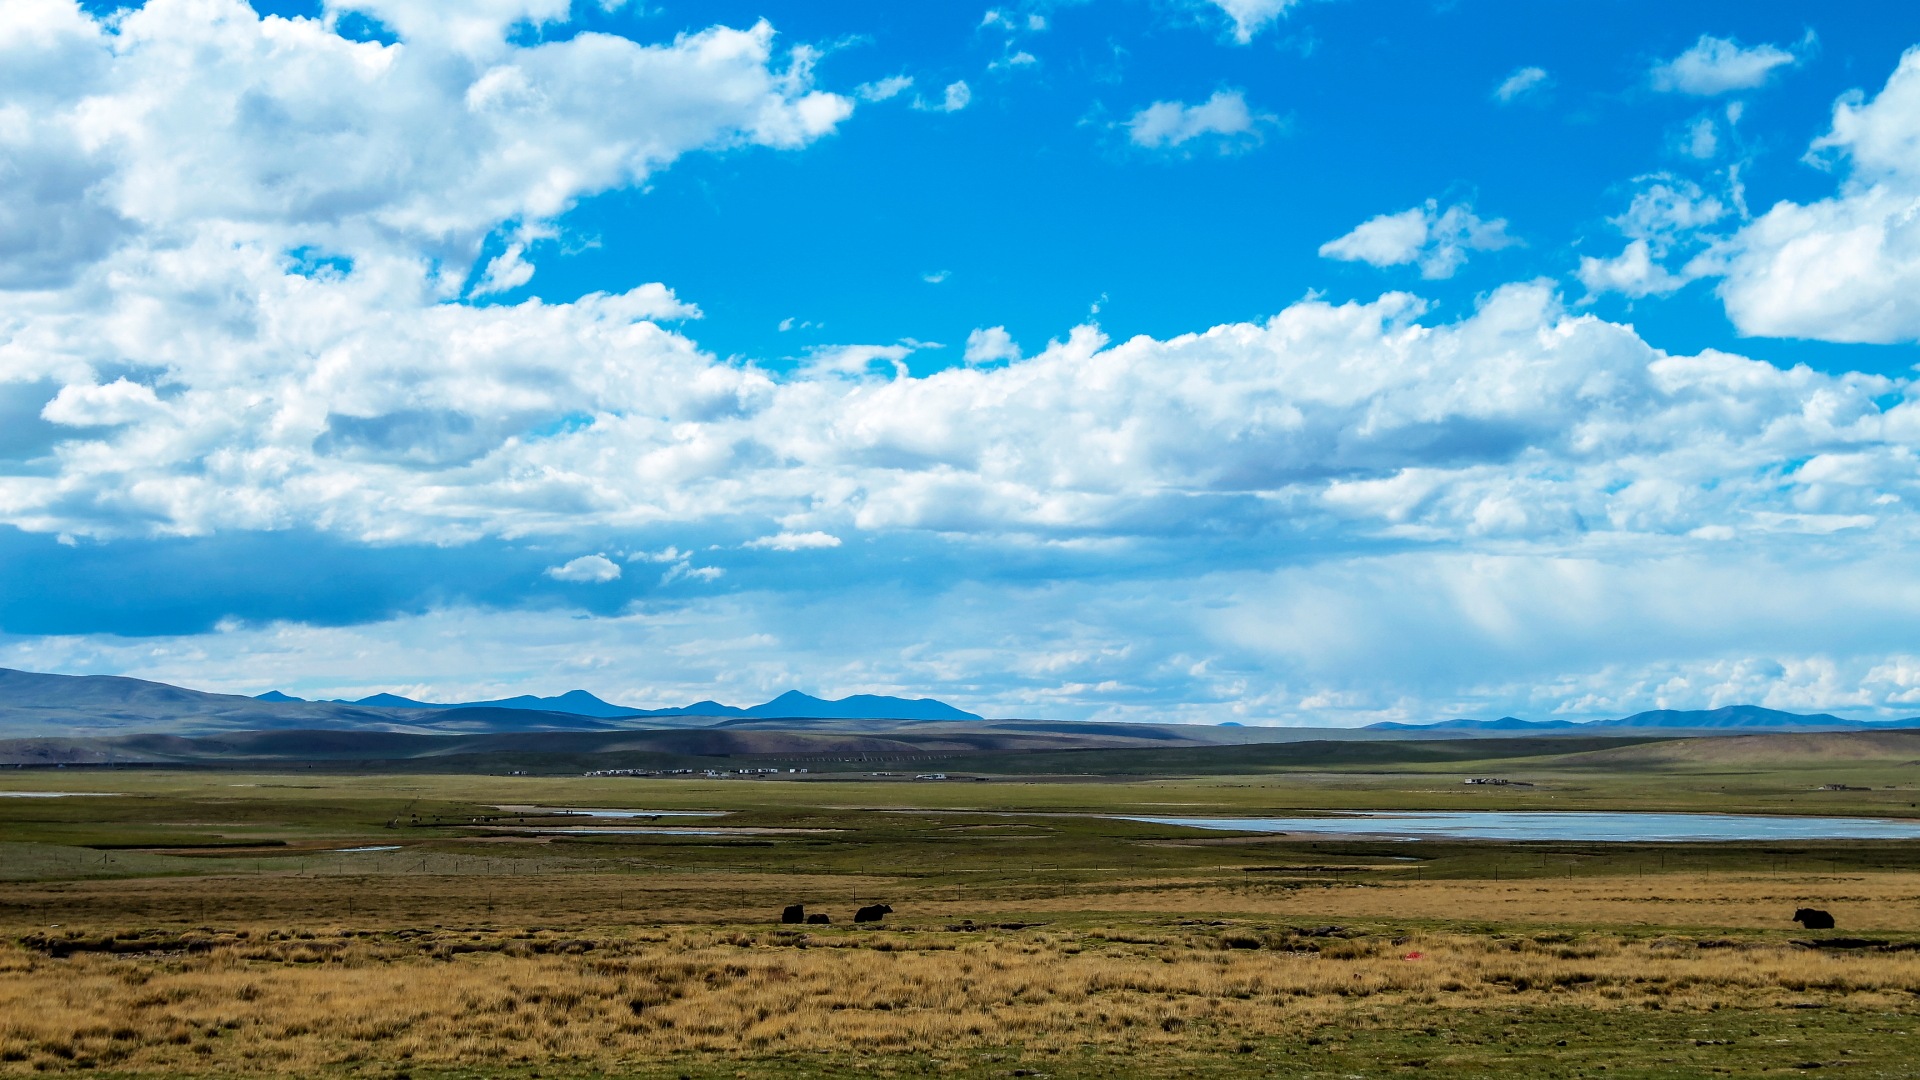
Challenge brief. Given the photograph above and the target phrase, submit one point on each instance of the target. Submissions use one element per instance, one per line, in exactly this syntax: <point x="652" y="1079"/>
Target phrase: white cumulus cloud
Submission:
<point x="1438" y="240"/>
<point x="884" y="89"/>
<point x="990" y="343"/>
<point x="1523" y="83"/>
<point x="1702" y="139"/>
<point x="1719" y="65"/>
<point x="1844" y="268"/>
<point x="1249" y="17"/>
<point x="1225" y="117"/>
<point x="796" y="541"/>
<point x="1632" y="273"/>
<point x="587" y="569"/>
<point x="117" y="402"/>
<point x="505" y="272"/>
<point x="1667" y="215"/>
<point x="258" y="214"/>
<point x="446" y="423"/>
<point x="955" y="97"/>
<point x="199" y="120"/>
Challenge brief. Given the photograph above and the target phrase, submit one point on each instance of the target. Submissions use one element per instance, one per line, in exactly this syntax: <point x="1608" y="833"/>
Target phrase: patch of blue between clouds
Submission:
<point x="1038" y="167"/>
<point x="1039" y="163"/>
<point x="188" y="585"/>
<point x="311" y="262"/>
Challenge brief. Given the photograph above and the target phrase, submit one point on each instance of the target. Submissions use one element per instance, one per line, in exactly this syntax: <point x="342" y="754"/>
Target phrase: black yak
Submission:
<point x="1813" y="919"/>
<point x="872" y="913"/>
<point x="794" y="913"/>
<point x="817" y="918"/>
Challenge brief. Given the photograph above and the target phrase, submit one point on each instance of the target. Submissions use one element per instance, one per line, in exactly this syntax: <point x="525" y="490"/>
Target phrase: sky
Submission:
<point x="1269" y="361"/>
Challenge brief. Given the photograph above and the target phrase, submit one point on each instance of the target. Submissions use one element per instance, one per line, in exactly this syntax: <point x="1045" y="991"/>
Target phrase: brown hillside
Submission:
<point x="1804" y="749"/>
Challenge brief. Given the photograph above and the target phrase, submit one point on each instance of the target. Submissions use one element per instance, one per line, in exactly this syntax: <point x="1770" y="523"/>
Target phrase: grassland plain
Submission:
<point x="223" y="923"/>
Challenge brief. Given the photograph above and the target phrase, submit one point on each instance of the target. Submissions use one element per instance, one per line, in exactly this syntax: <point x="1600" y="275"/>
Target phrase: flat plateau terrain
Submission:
<point x="324" y="922"/>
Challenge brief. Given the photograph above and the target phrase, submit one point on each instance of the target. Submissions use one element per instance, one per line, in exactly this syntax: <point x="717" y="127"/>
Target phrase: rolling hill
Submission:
<point x="569" y="751"/>
<point x="1891" y="747"/>
<point x="45" y="706"/>
<point x="32" y="703"/>
<point x="37" y="704"/>
<point x="793" y="703"/>
<point x="1751" y="718"/>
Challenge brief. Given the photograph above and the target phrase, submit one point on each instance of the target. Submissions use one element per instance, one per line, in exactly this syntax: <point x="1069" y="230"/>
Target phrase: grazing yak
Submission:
<point x="794" y="913"/>
<point x="1813" y="919"/>
<point x="872" y="913"/>
<point x="817" y="918"/>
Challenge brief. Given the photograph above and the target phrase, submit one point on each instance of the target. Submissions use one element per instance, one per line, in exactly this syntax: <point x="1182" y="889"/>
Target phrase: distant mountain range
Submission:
<point x="793" y="703"/>
<point x="1728" y="719"/>
<point x="85" y="706"/>
<point x="35" y="704"/>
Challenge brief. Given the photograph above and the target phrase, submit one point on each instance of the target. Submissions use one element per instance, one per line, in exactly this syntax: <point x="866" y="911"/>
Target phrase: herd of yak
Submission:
<point x="1811" y="918"/>
<point x="797" y="913"/>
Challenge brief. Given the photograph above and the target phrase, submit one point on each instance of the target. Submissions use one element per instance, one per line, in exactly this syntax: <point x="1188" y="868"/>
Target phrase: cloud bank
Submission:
<point x="1400" y="516"/>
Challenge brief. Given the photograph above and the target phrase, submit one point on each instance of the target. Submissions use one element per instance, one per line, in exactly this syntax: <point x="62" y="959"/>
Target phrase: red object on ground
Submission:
<point x="1414" y="956"/>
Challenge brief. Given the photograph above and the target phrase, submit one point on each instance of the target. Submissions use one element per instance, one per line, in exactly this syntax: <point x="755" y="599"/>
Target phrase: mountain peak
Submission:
<point x="1751" y="718"/>
<point x="798" y="705"/>
<point x="394" y="701"/>
<point x="797" y="697"/>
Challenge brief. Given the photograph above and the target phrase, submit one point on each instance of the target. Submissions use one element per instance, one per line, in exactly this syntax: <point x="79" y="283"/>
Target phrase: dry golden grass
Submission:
<point x="1885" y="902"/>
<point x="1101" y="950"/>
<point x="290" y="1003"/>
<point x="1876" y="903"/>
<point x="286" y="993"/>
<point x="555" y="899"/>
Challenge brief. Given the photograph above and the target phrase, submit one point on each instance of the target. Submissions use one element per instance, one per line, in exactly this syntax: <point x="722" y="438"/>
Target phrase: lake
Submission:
<point x="590" y="830"/>
<point x="569" y="811"/>
<point x="1563" y="825"/>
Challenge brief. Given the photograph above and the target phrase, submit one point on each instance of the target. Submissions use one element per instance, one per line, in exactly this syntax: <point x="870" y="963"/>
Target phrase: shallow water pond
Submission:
<point x="1562" y="825"/>
<point x="571" y="811"/>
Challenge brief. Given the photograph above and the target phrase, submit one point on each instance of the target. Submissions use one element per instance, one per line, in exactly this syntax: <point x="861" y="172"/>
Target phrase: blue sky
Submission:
<point x="1036" y="205"/>
<point x="1281" y="362"/>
